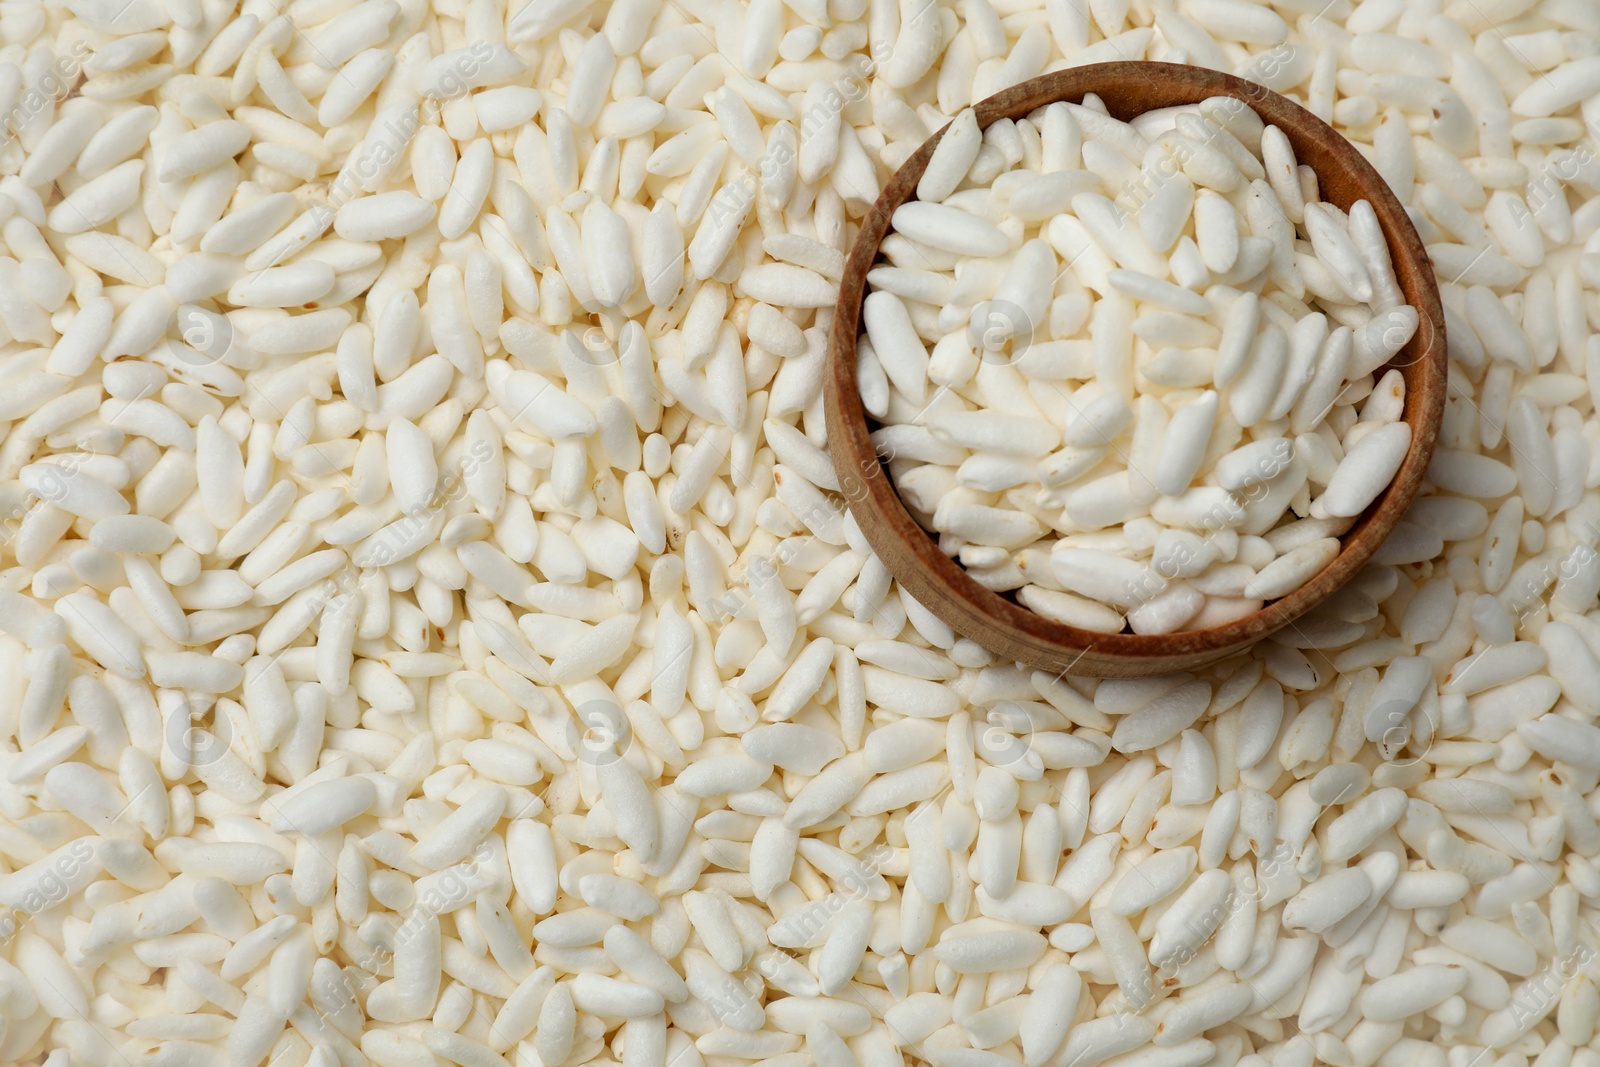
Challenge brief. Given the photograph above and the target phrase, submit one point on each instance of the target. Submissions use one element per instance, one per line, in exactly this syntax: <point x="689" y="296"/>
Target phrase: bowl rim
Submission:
<point x="996" y="622"/>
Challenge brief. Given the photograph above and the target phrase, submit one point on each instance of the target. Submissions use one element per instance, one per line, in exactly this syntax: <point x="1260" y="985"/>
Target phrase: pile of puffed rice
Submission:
<point x="430" y="633"/>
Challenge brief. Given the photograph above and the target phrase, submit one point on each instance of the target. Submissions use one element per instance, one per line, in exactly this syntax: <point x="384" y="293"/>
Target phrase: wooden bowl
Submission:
<point x="1000" y="624"/>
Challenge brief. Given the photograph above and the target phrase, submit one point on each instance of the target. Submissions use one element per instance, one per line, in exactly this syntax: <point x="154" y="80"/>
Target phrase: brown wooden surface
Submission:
<point x="1007" y="628"/>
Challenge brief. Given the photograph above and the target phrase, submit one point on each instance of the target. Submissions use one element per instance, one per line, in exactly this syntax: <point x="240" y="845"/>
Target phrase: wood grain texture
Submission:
<point x="998" y="623"/>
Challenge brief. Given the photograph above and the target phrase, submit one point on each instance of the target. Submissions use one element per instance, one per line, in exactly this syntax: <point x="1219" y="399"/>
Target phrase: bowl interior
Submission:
<point x="995" y="621"/>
